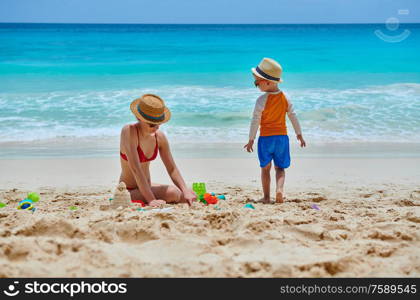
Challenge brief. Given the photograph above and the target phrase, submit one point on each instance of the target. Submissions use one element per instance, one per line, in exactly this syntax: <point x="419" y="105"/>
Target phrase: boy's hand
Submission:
<point x="301" y="140"/>
<point x="249" y="146"/>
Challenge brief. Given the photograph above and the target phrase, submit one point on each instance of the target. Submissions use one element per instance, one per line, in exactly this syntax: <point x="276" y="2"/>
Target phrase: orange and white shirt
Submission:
<point x="270" y="113"/>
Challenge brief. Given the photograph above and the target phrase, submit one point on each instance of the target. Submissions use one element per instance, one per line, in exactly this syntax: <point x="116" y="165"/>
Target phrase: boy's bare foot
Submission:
<point x="264" y="200"/>
<point x="279" y="197"/>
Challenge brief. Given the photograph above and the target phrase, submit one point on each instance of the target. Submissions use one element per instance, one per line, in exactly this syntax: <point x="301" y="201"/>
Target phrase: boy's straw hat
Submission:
<point x="268" y="69"/>
<point x="150" y="109"/>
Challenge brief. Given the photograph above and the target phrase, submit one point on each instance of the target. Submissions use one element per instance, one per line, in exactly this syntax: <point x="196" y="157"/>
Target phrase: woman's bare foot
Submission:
<point x="157" y="203"/>
<point x="279" y="197"/>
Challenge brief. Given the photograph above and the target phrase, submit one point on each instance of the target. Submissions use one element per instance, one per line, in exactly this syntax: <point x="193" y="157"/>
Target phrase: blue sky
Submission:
<point x="208" y="11"/>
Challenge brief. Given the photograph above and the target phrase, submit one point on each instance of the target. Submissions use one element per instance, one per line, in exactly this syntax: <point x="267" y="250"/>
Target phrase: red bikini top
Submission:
<point x="143" y="157"/>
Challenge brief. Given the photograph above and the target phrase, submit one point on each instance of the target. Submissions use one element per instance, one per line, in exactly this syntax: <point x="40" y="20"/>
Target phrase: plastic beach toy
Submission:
<point x="33" y="196"/>
<point x="202" y="196"/>
<point x="139" y="202"/>
<point x="249" y="205"/>
<point x="26" y="204"/>
<point x="2" y="205"/>
<point x="314" y="206"/>
<point x="210" y="199"/>
<point x="73" y="207"/>
<point x="165" y="209"/>
<point x="199" y="188"/>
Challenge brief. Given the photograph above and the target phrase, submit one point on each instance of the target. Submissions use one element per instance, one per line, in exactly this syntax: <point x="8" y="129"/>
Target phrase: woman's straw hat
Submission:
<point x="151" y="109"/>
<point x="268" y="69"/>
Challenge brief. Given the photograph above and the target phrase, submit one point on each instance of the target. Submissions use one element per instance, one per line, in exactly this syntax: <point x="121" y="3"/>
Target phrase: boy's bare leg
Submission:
<point x="280" y="177"/>
<point x="265" y="180"/>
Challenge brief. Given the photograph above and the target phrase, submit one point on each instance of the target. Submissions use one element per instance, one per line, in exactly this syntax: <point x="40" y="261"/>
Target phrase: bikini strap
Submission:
<point x="157" y="146"/>
<point x="138" y="138"/>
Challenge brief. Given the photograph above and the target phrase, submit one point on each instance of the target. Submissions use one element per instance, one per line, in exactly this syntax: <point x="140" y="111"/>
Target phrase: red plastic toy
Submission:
<point x="140" y="202"/>
<point x="210" y="199"/>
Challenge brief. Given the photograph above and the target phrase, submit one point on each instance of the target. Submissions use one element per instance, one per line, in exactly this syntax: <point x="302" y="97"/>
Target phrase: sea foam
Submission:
<point x="382" y="113"/>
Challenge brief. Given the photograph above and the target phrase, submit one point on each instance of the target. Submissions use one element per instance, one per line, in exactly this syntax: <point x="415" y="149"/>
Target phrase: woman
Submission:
<point x="139" y="145"/>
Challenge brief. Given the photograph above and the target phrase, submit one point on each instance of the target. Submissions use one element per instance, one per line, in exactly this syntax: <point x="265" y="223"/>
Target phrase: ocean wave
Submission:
<point x="215" y="114"/>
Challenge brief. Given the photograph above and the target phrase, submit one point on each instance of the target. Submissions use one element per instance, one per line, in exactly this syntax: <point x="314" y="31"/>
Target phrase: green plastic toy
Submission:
<point x="201" y="199"/>
<point x="199" y="188"/>
<point x="2" y="205"/>
<point x="73" y="207"/>
<point x="33" y="196"/>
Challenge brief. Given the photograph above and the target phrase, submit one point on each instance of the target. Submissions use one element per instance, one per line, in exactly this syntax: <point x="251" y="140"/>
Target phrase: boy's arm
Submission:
<point x="255" y="122"/>
<point x="256" y="116"/>
<point x="295" y="122"/>
<point x="292" y="117"/>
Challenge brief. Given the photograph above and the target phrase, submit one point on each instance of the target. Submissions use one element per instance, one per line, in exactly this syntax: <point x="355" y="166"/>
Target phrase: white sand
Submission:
<point x="368" y="223"/>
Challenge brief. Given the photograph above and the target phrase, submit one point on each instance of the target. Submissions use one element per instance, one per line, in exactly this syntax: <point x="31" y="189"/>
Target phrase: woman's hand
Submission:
<point x="189" y="196"/>
<point x="156" y="203"/>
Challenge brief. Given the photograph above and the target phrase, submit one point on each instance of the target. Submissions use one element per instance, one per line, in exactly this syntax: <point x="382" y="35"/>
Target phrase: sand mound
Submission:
<point x="121" y="197"/>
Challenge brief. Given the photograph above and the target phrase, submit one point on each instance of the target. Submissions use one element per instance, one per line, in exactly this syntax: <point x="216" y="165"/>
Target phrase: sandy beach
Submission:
<point x="341" y="78"/>
<point x="367" y="224"/>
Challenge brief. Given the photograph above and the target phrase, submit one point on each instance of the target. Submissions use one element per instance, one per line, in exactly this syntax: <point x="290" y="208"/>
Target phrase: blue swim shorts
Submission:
<point x="274" y="147"/>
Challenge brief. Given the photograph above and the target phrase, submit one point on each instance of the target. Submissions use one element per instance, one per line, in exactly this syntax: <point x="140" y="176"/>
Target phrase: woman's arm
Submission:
<point x="129" y="145"/>
<point x="172" y="169"/>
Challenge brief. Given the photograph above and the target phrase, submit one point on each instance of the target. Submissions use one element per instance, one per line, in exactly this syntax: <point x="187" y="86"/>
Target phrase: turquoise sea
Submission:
<point x="71" y="84"/>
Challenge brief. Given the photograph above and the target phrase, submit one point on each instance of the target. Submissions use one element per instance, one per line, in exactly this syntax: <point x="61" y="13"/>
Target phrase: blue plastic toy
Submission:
<point x="249" y="205"/>
<point x="26" y="204"/>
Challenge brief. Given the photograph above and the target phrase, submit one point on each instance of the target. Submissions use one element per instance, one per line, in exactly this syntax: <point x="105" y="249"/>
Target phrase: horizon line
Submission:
<point x="77" y="23"/>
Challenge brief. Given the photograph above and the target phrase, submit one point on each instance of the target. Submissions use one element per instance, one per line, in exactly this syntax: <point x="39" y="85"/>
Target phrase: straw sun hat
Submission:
<point x="268" y="69"/>
<point x="151" y="109"/>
